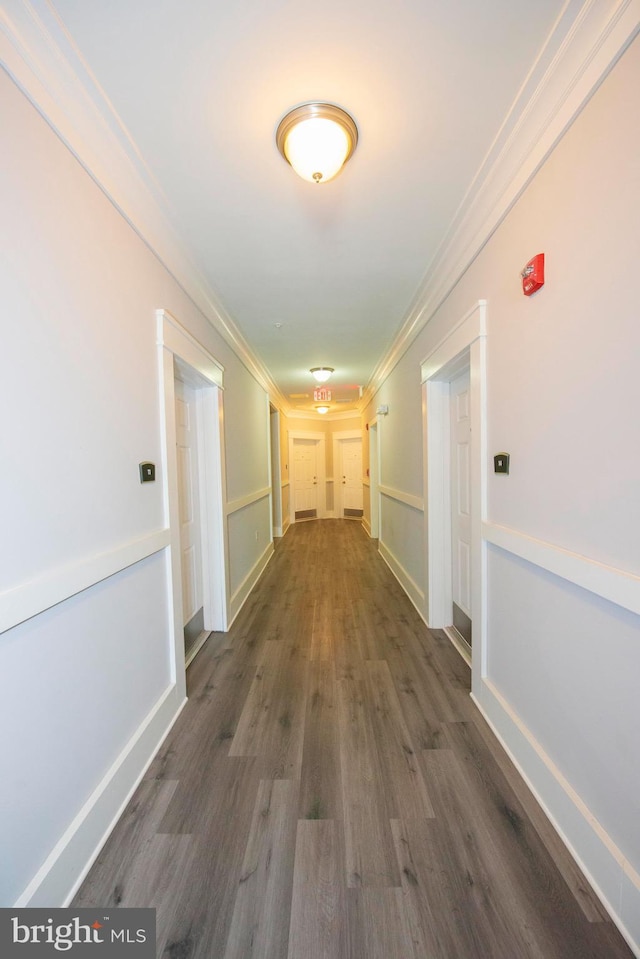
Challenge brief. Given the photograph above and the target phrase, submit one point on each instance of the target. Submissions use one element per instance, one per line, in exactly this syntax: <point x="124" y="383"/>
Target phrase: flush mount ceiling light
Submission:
<point x="317" y="139"/>
<point x="321" y="373"/>
<point x="322" y="409"/>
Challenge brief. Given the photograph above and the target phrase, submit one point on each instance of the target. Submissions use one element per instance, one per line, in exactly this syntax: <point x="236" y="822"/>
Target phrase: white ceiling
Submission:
<point x="201" y="85"/>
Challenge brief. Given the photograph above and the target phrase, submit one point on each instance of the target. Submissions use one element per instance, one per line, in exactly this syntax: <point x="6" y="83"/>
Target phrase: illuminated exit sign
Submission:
<point x="322" y="394"/>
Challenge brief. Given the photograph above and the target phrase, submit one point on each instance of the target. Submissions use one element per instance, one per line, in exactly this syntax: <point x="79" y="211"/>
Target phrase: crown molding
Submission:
<point x="40" y="56"/>
<point x="584" y="44"/>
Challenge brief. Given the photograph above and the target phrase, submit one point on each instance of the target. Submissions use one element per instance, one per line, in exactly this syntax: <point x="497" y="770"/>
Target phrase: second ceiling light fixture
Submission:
<point x="321" y="373"/>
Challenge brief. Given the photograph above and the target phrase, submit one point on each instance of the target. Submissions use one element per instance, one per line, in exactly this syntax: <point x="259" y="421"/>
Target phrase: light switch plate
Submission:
<point x="147" y="472"/>
<point x="501" y="463"/>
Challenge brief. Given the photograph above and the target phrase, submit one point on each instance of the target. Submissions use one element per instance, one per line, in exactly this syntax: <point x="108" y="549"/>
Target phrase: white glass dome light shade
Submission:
<point x="321" y="373"/>
<point x="322" y="409"/>
<point x="316" y="149"/>
<point x="317" y="139"/>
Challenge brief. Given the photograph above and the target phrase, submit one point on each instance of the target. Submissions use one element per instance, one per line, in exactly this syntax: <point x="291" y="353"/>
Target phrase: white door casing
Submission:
<point x="347" y="471"/>
<point x="178" y="350"/>
<point x="309" y="440"/>
<point x="276" y="484"/>
<point x="460" y="452"/>
<point x="305" y="475"/>
<point x="464" y="346"/>
<point x="374" y="477"/>
<point x="351" y="473"/>
<point x="189" y="499"/>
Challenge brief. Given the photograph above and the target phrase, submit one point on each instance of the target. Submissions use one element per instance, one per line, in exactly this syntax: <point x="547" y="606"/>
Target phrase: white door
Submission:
<point x="351" y="474"/>
<point x="276" y="489"/>
<point x="189" y="500"/>
<point x="374" y="471"/>
<point x="305" y="475"/>
<point x="461" y="492"/>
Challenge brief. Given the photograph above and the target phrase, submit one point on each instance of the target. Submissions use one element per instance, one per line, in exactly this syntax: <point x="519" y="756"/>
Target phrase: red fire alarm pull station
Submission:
<point x="533" y="275"/>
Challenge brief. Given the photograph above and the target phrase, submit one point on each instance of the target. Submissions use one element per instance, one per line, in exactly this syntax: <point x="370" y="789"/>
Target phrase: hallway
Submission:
<point x="330" y="790"/>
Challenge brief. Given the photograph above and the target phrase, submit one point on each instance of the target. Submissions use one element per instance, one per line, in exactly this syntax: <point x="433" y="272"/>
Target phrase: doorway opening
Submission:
<point x="459" y="468"/>
<point x="308" y="476"/>
<point x="347" y="468"/>
<point x="188" y="455"/>
<point x="276" y="482"/>
<point x="454" y="384"/>
<point x="194" y="490"/>
<point x="374" y="481"/>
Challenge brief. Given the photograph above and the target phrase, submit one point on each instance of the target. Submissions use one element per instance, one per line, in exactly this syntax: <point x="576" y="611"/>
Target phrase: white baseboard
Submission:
<point x="64" y="870"/>
<point x="408" y="584"/>
<point x="612" y="877"/>
<point x="366" y="525"/>
<point x="241" y="595"/>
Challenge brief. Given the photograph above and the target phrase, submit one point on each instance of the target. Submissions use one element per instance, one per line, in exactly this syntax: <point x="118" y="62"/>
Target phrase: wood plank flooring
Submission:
<point x="331" y="792"/>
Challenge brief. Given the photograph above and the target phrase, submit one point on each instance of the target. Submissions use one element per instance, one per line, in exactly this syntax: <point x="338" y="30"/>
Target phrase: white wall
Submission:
<point x="563" y="399"/>
<point x="249" y="536"/>
<point x="88" y="683"/>
<point x="77" y="682"/>
<point x="246" y="415"/>
<point x="401" y="465"/>
<point x="399" y="435"/>
<point x="79" y="393"/>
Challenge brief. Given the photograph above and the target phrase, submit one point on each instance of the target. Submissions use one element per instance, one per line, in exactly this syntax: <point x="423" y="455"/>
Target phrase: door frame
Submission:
<point x="374" y="479"/>
<point x="184" y="375"/>
<point x="178" y="349"/>
<point x="274" y="472"/>
<point x="320" y="439"/>
<point x="338" y="439"/>
<point x="454" y="635"/>
<point x="464" y="345"/>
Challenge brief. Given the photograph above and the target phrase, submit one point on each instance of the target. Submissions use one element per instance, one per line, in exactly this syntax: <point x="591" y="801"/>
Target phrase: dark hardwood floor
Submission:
<point x="331" y="791"/>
